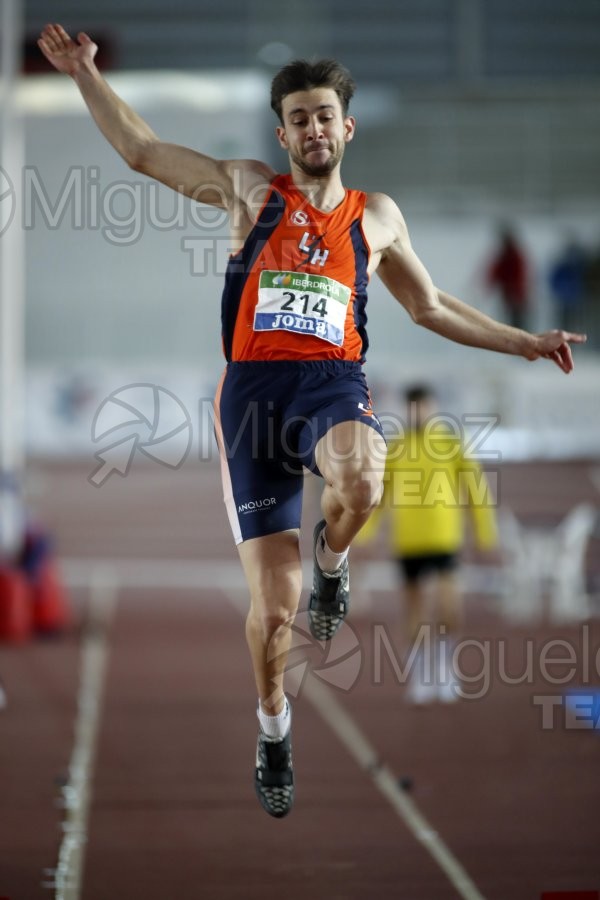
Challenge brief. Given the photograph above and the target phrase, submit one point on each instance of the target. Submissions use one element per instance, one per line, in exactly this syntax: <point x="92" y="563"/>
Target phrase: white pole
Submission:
<point x="11" y="285"/>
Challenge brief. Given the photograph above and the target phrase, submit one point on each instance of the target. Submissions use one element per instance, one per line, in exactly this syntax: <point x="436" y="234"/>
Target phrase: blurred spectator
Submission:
<point x="568" y="285"/>
<point x="428" y="483"/>
<point x="73" y="396"/>
<point x="508" y="274"/>
<point x="592" y="295"/>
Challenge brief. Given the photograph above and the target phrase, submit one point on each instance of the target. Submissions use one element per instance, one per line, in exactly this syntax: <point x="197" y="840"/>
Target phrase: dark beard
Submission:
<point x="319" y="171"/>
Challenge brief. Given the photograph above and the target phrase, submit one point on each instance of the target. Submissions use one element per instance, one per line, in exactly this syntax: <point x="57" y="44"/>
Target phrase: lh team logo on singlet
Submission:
<point x="310" y="245"/>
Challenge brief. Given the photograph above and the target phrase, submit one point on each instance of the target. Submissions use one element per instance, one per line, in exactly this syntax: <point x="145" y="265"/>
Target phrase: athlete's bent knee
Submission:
<point x="359" y="492"/>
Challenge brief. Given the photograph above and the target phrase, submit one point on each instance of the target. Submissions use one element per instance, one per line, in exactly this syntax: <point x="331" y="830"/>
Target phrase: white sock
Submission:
<point x="445" y="651"/>
<point x="421" y="671"/>
<point x="329" y="561"/>
<point x="275" y="727"/>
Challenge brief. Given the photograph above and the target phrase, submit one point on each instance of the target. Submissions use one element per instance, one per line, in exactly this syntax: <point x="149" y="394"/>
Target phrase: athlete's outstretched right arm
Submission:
<point x="201" y="177"/>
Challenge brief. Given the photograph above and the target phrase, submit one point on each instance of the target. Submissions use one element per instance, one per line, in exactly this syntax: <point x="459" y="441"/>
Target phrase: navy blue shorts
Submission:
<point x="269" y="417"/>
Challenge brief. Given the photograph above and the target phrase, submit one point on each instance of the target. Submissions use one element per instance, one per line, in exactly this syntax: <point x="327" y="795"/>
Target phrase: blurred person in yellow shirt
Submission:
<point x="429" y="482"/>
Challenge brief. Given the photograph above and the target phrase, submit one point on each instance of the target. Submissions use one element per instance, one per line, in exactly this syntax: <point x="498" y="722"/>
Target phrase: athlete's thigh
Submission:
<point x="339" y="430"/>
<point x="351" y="447"/>
<point x="262" y="493"/>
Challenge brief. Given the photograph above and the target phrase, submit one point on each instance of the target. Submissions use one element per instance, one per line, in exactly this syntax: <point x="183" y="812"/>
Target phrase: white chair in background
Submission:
<point x="568" y="598"/>
<point x="524" y="551"/>
<point x="547" y="563"/>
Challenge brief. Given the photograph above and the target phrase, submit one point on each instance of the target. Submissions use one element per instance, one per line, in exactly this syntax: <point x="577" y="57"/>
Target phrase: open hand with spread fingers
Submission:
<point x="63" y="52"/>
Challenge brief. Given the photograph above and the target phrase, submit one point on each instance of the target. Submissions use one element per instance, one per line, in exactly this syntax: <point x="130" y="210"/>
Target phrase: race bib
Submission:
<point x="305" y="304"/>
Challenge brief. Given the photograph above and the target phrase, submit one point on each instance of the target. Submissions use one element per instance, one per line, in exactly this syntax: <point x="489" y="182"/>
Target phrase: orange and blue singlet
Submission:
<point x="294" y="335"/>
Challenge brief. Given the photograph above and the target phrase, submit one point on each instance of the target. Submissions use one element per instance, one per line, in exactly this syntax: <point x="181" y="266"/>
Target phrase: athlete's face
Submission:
<point x="315" y="131"/>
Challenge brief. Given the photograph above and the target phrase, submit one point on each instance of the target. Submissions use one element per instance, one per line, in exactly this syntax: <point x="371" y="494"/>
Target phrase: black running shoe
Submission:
<point x="330" y="596"/>
<point x="274" y="778"/>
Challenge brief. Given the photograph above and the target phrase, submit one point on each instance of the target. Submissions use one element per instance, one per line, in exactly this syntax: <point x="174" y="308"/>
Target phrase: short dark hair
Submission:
<point x="417" y="392"/>
<point x="302" y="75"/>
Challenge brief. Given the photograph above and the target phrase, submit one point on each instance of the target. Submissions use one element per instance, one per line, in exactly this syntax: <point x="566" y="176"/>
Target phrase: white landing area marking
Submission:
<point x="68" y="875"/>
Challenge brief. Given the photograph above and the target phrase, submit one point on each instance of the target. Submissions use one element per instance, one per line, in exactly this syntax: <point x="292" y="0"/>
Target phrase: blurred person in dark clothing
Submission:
<point x="567" y="283"/>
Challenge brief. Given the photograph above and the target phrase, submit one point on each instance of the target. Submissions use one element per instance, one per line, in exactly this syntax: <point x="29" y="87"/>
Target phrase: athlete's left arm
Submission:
<point x="407" y="279"/>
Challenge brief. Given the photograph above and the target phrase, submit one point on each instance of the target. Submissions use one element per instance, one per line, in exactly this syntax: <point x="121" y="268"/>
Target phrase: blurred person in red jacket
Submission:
<point x="508" y="274"/>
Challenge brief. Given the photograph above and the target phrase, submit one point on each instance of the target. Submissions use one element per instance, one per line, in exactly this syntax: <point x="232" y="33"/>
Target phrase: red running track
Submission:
<point x="172" y="810"/>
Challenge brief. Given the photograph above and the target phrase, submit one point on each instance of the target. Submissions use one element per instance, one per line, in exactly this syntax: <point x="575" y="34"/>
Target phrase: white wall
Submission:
<point x="115" y="284"/>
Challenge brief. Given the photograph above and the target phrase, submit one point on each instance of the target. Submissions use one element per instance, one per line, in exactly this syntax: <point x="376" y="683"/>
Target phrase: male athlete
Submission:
<point x="293" y="328"/>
